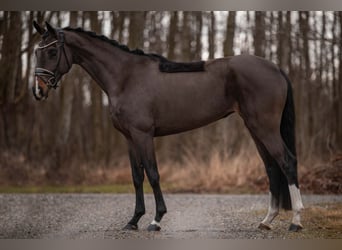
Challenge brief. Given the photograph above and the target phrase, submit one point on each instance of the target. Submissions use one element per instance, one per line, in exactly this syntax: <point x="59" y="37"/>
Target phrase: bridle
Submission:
<point x="52" y="75"/>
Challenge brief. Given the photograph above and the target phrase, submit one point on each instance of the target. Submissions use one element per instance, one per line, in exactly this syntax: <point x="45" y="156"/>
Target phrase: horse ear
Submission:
<point x="38" y="28"/>
<point x="50" y="29"/>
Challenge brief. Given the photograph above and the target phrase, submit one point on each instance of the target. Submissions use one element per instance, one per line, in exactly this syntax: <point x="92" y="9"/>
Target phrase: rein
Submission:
<point x="52" y="75"/>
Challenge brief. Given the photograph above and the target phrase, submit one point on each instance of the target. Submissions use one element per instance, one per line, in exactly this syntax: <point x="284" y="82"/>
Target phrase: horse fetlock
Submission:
<point x="139" y="213"/>
<point x="154" y="226"/>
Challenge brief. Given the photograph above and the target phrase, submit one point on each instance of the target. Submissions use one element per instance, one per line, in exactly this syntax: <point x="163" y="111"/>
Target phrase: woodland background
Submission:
<point x="69" y="139"/>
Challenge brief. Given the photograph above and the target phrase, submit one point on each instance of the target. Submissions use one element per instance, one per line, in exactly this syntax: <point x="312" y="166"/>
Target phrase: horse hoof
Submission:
<point x="153" y="227"/>
<point x="130" y="227"/>
<point x="295" y="228"/>
<point x="264" y="226"/>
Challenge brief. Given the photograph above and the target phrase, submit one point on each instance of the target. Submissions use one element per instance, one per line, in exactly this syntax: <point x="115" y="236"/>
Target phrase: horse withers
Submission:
<point x="151" y="96"/>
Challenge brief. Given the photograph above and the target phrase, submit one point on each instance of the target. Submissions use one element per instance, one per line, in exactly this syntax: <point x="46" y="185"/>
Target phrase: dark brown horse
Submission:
<point x="150" y="96"/>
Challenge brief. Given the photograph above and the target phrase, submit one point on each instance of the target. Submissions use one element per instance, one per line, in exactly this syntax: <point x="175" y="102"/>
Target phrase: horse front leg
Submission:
<point x="138" y="179"/>
<point x="145" y="149"/>
<point x="153" y="177"/>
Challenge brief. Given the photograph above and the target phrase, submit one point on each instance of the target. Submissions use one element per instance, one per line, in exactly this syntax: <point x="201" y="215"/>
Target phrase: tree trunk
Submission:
<point x="10" y="58"/>
<point x="322" y="47"/>
<point x="136" y="29"/>
<point x="259" y="34"/>
<point x="212" y="34"/>
<point x="304" y="29"/>
<point x="10" y="73"/>
<point x="198" y="36"/>
<point x="186" y="37"/>
<point x="228" y="48"/>
<point x="338" y="110"/>
<point x="289" y="43"/>
<point x="171" y="40"/>
<point x="283" y="49"/>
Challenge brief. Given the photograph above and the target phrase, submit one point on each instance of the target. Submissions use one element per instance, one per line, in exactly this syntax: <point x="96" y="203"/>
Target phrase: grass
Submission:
<point x="320" y="221"/>
<point x="323" y="221"/>
<point x="195" y="176"/>
<point x="114" y="189"/>
<point x="120" y="188"/>
<point x="220" y="173"/>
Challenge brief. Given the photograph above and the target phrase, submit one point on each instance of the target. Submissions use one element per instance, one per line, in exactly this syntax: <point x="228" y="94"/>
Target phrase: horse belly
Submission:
<point x="190" y="113"/>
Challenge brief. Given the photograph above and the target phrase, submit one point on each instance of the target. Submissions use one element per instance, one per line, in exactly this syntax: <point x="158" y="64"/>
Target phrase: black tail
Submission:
<point x="287" y="127"/>
<point x="287" y="130"/>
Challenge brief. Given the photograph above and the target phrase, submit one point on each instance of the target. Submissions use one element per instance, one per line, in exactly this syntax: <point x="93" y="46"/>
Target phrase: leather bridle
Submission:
<point x="52" y="75"/>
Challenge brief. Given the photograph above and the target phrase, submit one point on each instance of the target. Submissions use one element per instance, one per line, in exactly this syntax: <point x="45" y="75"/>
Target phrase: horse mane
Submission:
<point x="165" y="65"/>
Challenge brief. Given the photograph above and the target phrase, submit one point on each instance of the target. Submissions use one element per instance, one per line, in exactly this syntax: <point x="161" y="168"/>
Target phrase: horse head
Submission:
<point x="53" y="60"/>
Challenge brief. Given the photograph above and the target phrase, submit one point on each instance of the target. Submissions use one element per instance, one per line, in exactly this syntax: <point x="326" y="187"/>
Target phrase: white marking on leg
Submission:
<point x="273" y="210"/>
<point x="155" y="223"/>
<point x="297" y="204"/>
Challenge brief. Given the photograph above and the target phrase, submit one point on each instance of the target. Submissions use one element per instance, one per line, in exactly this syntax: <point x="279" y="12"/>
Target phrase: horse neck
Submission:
<point x="104" y="62"/>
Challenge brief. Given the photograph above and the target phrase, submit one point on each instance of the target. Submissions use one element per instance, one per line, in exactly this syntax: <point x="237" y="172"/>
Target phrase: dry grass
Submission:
<point x="328" y="217"/>
<point x="243" y="173"/>
<point x="322" y="177"/>
<point x="321" y="221"/>
<point x="219" y="173"/>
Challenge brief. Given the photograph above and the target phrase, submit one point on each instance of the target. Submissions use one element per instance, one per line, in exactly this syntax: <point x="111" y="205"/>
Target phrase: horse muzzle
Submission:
<point x="40" y="89"/>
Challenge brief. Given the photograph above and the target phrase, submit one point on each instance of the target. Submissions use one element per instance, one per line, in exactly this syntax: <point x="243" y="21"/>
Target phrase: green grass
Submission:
<point x="117" y="188"/>
<point x="112" y="188"/>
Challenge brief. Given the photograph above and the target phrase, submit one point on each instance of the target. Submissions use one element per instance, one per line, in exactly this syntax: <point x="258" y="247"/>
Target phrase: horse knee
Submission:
<point x="138" y="181"/>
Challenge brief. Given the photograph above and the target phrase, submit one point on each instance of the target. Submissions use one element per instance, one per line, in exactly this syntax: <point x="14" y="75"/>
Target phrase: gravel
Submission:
<point x="99" y="216"/>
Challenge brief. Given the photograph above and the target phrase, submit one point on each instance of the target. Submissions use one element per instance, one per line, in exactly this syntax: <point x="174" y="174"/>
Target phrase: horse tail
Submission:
<point x="287" y="130"/>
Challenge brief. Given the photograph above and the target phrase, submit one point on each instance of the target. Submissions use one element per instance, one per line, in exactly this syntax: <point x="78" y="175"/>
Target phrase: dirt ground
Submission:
<point x="190" y="216"/>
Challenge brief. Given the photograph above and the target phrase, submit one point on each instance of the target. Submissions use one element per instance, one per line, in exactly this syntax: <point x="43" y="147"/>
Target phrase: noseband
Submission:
<point x="52" y="75"/>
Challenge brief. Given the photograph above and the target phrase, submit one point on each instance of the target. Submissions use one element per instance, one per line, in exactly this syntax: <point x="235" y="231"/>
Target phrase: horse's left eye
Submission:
<point x="52" y="53"/>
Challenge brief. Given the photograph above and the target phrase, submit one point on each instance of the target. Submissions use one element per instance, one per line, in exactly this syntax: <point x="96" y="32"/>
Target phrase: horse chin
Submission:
<point x="45" y="94"/>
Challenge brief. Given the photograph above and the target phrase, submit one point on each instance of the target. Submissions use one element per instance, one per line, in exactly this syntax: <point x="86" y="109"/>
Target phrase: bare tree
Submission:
<point x="211" y="34"/>
<point x="228" y="48"/>
<point x="259" y="34"/>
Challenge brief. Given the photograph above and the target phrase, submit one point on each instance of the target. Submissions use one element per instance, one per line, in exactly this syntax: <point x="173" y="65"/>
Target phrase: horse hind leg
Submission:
<point x="273" y="211"/>
<point x="287" y="187"/>
<point x="271" y="169"/>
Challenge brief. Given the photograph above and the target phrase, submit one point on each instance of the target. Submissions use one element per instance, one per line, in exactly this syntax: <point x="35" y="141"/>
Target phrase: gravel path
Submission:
<point x="79" y="216"/>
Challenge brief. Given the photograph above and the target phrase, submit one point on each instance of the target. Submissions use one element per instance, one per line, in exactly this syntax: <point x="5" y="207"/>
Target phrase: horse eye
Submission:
<point x="52" y="53"/>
